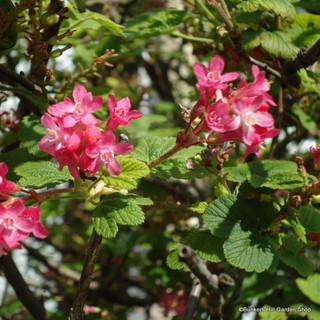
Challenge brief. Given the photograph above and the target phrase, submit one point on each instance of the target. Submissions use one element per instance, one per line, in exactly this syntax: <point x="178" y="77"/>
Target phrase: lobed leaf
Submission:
<point x="250" y="251"/>
<point x="282" y="8"/>
<point x="150" y="148"/>
<point x="31" y="132"/>
<point x="289" y="254"/>
<point x="173" y="261"/>
<point x="155" y="22"/>
<point x="40" y="174"/>
<point x="309" y="217"/>
<point x="310" y="287"/>
<point x="206" y="245"/>
<point x="275" y="42"/>
<point x="274" y="174"/>
<point x="131" y="170"/>
<point x="89" y="20"/>
<point x="306" y="121"/>
<point x="118" y="209"/>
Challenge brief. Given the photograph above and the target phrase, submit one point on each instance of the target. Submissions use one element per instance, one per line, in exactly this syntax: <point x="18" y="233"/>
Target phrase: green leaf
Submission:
<point x="218" y="218"/>
<point x="308" y="22"/>
<point x="40" y="174"/>
<point x="298" y="228"/>
<point x="310" y="287"/>
<point x="31" y="132"/>
<point x="274" y="174"/>
<point x="80" y="5"/>
<point x="240" y="222"/>
<point x="309" y="83"/>
<point x="89" y="20"/>
<point x="155" y="22"/>
<point x="250" y="251"/>
<point x="150" y="125"/>
<point x="177" y="168"/>
<point x="309" y="217"/>
<point x="118" y="209"/>
<point x="268" y="315"/>
<point x="289" y="255"/>
<point x="248" y="6"/>
<point x="173" y="261"/>
<point x="306" y="121"/>
<point x="199" y="207"/>
<point x="105" y="226"/>
<point x="229" y="215"/>
<point x="283" y="8"/>
<point x="275" y="42"/>
<point x="131" y="170"/>
<point x="15" y="158"/>
<point x="150" y="148"/>
<point x="206" y="245"/>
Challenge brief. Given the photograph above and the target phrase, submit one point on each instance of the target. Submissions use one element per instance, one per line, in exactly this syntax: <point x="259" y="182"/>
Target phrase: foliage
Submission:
<point x="140" y="129"/>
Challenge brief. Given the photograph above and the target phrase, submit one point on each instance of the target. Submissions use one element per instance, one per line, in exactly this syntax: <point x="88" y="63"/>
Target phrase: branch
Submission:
<point x="76" y="311"/>
<point x="9" y="76"/>
<point x="193" y="300"/>
<point x="306" y="57"/>
<point x="230" y="303"/>
<point x="210" y="282"/>
<point x="21" y="289"/>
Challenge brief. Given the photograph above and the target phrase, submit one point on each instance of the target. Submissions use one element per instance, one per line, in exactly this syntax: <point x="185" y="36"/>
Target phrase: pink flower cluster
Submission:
<point x="228" y="114"/>
<point x="74" y="136"/>
<point x="17" y="221"/>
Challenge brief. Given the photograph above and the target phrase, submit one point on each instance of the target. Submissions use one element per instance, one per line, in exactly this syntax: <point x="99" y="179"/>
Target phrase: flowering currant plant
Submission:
<point x="126" y="205"/>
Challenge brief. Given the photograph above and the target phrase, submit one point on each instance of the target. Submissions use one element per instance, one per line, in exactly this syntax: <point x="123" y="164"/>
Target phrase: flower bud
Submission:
<point x="47" y="19"/>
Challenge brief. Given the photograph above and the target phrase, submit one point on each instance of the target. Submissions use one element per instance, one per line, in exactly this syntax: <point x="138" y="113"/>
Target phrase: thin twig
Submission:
<point x="230" y="303"/>
<point x="9" y="76"/>
<point x="76" y="311"/>
<point x="224" y="13"/>
<point x="21" y="289"/>
<point x="193" y="300"/>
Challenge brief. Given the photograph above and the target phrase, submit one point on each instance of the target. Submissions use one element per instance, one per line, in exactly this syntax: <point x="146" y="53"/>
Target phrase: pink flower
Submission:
<point x="103" y="152"/>
<point x="63" y="144"/>
<point x="68" y="158"/>
<point x="250" y="115"/>
<point x="71" y="113"/>
<point x="316" y="155"/>
<point x="119" y="112"/>
<point x="218" y="118"/>
<point x="5" y="185"/>
<point x="16" y="224"/>
<point x="209" y="80"/>
<point x="33" y="214"/>
<point x="259" y="87"/>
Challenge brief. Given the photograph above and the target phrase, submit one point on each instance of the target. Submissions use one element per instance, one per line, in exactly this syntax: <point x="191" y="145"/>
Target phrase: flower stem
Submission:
<point x="209" y="15"/>
<point x="190" y="38"/>
<point x="76" y="311"/>
<point x="40" y="197"/>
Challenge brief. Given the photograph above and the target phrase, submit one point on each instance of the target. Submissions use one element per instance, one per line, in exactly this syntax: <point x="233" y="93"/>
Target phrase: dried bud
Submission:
<point x="295" y="201"/>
